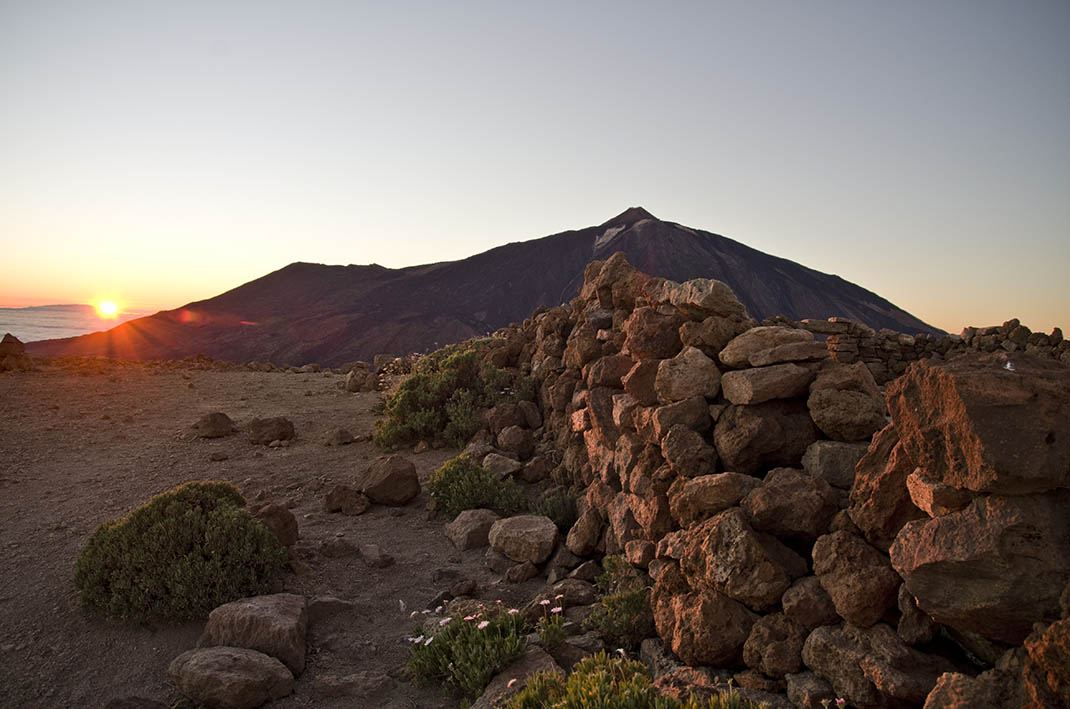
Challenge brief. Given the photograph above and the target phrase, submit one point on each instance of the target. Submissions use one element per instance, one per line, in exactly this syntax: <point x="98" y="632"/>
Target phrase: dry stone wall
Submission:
<point x="794" y="533"/>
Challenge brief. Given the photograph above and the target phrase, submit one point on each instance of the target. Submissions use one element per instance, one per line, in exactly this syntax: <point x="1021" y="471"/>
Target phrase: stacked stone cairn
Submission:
<point x="737" y="464"/>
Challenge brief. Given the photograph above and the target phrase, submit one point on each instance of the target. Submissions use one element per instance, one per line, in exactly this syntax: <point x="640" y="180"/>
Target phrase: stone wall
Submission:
<point x="737" y="464"/>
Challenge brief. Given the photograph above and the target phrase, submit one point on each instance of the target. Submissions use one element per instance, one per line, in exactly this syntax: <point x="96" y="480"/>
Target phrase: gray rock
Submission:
<point x="390" y="480"/>
<point x="214" y="425"/>
<point x="834" y="461"/>
<point x="524" y="537"/>
<point x="230" y="677"/>
<point x="269" y="430"/>
<point x="470" y="529"/>
<point x="274" y="625"/>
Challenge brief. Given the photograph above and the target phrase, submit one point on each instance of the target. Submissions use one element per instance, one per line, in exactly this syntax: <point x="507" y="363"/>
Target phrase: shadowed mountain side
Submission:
<point x="333" y="314"/>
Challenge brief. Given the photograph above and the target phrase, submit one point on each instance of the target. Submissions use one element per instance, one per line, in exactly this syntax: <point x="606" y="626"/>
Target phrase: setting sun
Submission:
<point x="107" y="308"/>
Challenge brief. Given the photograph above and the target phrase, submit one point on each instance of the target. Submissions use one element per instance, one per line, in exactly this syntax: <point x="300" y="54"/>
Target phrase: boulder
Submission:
<point x="933" y="497"/>
<point x="807" y="603"/>
<point x="693" y="413"/>
<point x="774" y="646"/>
<point x="1046" y="673"/>
<point x="502" y="465"/>
<point x="514" y="439"/>
<point x="357" y="379"/>
<point x="809" y="691"/>
<point x="504" y="415"/>
<point x="230" y="677"/>
<point x="737" y="353"/>
<point x="390" y="480"/>
<point x="280" y="521"/>
<point x="915" y="626"/>
<point x="712" y="334"/>
<point x="880" y="500"/>
<point x="607" y="371"/>
<point x="778" y="381"/>
<point x="269" y="430"/>
<point x="585" y="533"/>
<point x="274" y="625"/>
<point x="703" y="297"/>
<point x="790" y="352"/>
<point x="214" y="425"/>
<point x="651" y="334"/>
<point x="639" y="381"/>
<point x="514" y="678"/>
<point x="688" y="374"/>
<point x="374" y="556"/>
<point x="687" y="453"/>
<point x="833" y="461"/>
<point x="857" y="577"/>
<point x="524" y="538"/>
<point x="695" y="499"/>
<point x="11" y="346"/>
<point x="993" y="568"/>
<point x="337" y="437"/>
<point x="344" y="499"/>
<point x="773" y="434"/>
<point x="996" y="423"/>
<point x="791" y="503"/>
<point x="845" y="402"/>
<point x="470" y="529"/>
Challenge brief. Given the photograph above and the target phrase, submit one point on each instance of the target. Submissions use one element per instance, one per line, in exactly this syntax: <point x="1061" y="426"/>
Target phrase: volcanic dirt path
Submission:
<point x="84" y="443"/>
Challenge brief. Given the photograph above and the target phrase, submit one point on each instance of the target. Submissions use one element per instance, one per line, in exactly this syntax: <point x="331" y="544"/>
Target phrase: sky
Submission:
<point x="157" y="153"/>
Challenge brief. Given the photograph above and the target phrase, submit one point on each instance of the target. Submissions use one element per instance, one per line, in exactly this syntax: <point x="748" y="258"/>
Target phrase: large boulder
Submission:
<point x="778" y="381"/>
<point x="993" y="568"/>
<point x="773" y="434"/>
<point x="639" y="381"/>
<point x="652" y="334"/>
<point x="230" y="677"/>
<point x="695" y="499"/>
<point x="687" y="453"/>
<point x="857" y="577"/>
<point x="274" y="625"/>
<point x="996" y="423"/>
<point x="524" y="538"/>
<point x="688" y="374"/>
<point x="791" y="503"/>
<point x="390" y="480"/>
<point x="880" y="500"/>
<point x="280" y="521"/>
<point x="700" y="298"/>
<point x="585" y="533"/>
<point x="471" y="528"/>
<point x="774" y="646"/>
<point x="738" y="352"/>
<point x="845" y="402"/>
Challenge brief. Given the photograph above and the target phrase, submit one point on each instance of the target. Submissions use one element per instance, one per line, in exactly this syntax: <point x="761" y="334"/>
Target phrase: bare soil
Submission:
<point x="83" y="443"/>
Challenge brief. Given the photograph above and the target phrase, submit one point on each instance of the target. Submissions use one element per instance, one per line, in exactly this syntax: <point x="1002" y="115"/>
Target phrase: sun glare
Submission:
<point x="108" y="308"/>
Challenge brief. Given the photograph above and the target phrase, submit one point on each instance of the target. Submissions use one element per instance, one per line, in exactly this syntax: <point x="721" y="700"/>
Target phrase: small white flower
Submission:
<point x="482" y="624"/>
<point x="444" y="622"/>
<point x="544" y="602"/>
<point x="513" y="611"/>
<point x="428" y="641"/>
<point x="419" y="639"/>
<point x="511" y="682"/>
<point x="558" y="609"/>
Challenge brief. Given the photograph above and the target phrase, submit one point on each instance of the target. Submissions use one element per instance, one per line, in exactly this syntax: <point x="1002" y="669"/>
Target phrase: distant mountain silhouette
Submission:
<point x="333" y="314"/>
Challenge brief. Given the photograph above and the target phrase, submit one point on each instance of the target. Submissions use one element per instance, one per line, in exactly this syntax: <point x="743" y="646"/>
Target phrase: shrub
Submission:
<point x="617" y="575"/>
<point x="178" y="556"/>
<point x="441" y="401"/>
<point x="624" y="618"/>
<point x="604" y="682"/>
<point x="560" y="507"/>
<point x="461" y="484"/>
<point x="551" y="627"/>
<point x="468" y="652"/>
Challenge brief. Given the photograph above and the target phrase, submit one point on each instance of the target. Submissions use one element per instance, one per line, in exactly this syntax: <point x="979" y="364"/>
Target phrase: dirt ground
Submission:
<point x="83" y="444"/>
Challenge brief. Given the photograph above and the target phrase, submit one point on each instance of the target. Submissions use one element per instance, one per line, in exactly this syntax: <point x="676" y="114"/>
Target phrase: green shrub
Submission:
<point x="551" y="628"/>
<point x="604" y="682"/>
<point x="467" y="653"/>
<point x="442" y="400"/>
<point x="178" y="556"/>
<point x="623" y="619"/>
<point x="461" y="484"/>
<point x="560" y="507"/>
<point x="617" y="575"/>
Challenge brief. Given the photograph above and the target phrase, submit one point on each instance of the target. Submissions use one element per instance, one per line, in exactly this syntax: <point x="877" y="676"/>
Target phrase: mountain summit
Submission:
<point x="333" y="314"/>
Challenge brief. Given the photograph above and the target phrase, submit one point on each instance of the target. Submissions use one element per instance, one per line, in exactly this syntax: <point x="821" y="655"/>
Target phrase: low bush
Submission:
<point x="623" y="619"/>
<point x="560" y="507"/>
<point x="551" y="627"/>
<point x="605" y="682"/>
<point x="443" y="399"/>
<point x="617" y="575"/>
<point x="467" y="653"/>
<point x="462" y="484"/>
<point x="178" y="556"/>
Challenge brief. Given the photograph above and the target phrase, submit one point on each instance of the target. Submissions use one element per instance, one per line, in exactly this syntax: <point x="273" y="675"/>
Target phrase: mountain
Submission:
<point x="333" y="314"/>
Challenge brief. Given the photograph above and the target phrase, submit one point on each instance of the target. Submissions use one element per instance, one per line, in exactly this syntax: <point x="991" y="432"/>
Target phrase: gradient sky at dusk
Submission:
<point x="163" y="152"/>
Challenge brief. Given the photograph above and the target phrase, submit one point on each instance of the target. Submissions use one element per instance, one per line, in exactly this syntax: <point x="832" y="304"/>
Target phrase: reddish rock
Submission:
<point x="214" y="425"/>
<point x="607" y="371"/>
<point x="776" y="433"/>
<point x="915" y="626"/>
<point x="651" y="334"/>
<point x="774" y="646"/>
<point x="582" y="346"/>
<point x="693" y="413"/>
<point x="514" y="678"/>
<point x="880" y="501"/>
<point x="695" y="499"/>
<point x="504" y="415"/>
<point x="809" y="691"/>
<point x="845" y="402"/>
<point x="807" y="603"/>
<point x="791" y="503"/>
<point x="390" y="480"/>
<point x="834" y="461"/>
<point x="994" y="689"/>
<point x="344" y="499"/>
<point x="687" y="452"/>
<point x="688" y="374"/>
<point x="710" y="335"/>
<point x="280" y="521"/>
<point x="791" y="352"/>
<point x="524" y="538"/>
<point x="997" y="423"/>
<point x="639" y="381"/>
<point x="779" y="381"/>
<point x="933" y="497"/>
<point x="639" y="552"/>
<point x="1046" y="673"/>
<point x="269" y="430"/>
<point x="857" y="577"/>
<point x="994" y="568"/>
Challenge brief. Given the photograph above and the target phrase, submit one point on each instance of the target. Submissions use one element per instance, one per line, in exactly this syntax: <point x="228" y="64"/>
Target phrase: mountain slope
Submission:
<point x="333" y="314"/>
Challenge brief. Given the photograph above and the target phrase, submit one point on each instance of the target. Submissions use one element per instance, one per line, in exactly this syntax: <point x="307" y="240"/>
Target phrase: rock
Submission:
<point x="274" y="625"/>
<point x="280" y="521"/>
<point x="1046" y="673"/>
<point x="337" y="548"/>
<point x="269" y="430"/>
<point x="807" y="603"/>
<point x="362" y="685"/>
<point x="503" y="416"/>
<point x="915" y="626"/>
<point x="390" y="480"/>
<point x="791" y="503"/>
<point x="726" y="554"/>
<point x="585" y="533"/>
<point x="809" y="691"/>
<point x="520" y="573"/>
<point x="778" y="381"/>
<point x="607" y="371"/>
<point x="737" y="353"/>
<point x="11" y="346"/>
<point x="995" y="688"/>
<point x="933" y="497"/>
<point x="514" y="678"/>
<point x="774" y="646"/>
<point x="880" y="501"/>
<point x="872" y="667"/>
<point x="688" y="374"/>
<point x="650" y="334"/>
<point x="845" y="402"/>
<point x="693" y="413"/>
<point x="587" y="571"/>
<point x="497" y="562"/>
<point x="639" y="381"/>
<point x="994" y="568"/>
<point x="230" y="677"/>
<point x="687" y="453"/>
<point x="639" y="552"/>
<point x="702" y="628"/>
<point x="514" y="439"/>
<point x="997" y="423"/>
<point x="712" y="334"/>
<point x="214" y="425"/>
<point x="337" y="437"/>
<point x="791" y="352"/>
<point x="704" y="297"/>
<point x="695" y="499"/>
<point x="536" y="470"/>
<point x="470" y="528"/>
<point x="375" y="557"/>
<point x="344" y="499"/>
<point x="833" y="461"/>
<point x="524" y="538"/>
<point x="857" y="577"/>
<point x="776" y="433"/>
<point x="502" y="465"/>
